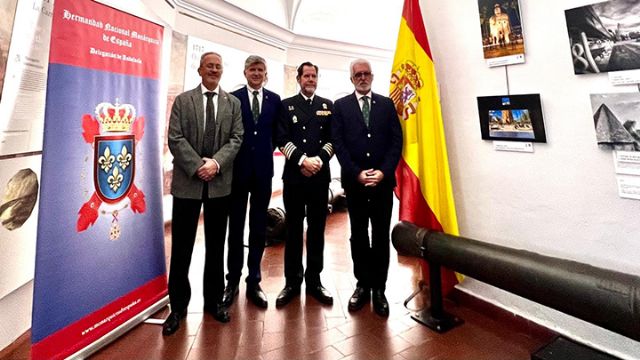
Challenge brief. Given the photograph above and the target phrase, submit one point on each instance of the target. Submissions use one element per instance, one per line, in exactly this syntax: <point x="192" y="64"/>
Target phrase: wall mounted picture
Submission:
<point x="615" y="117"/>
<point x="511" y="118"/>
<point x="502" y="37"/>
<point x="604" y="36"/>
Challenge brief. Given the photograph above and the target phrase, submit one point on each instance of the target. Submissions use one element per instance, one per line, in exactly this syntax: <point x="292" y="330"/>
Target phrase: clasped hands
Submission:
<point x="208" y="170"/>
<point x="370" y="177"/>
<point x="310" y="166"/>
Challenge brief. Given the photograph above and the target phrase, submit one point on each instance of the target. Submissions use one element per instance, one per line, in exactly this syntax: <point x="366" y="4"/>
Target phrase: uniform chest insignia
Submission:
<point x="294" y="119"/>
<point x="323" y="112"/>
<point x="324" y="106"/>
<point x="291" y="108"/>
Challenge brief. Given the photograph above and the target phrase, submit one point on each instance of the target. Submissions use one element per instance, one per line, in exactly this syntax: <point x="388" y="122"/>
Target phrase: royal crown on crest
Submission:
<point x="115" y="118"/>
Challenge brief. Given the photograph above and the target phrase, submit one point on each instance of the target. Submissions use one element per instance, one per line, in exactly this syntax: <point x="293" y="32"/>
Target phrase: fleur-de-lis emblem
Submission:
<point x="124" y="158"/>
<point x="106" y="160"/>
<point x="115" y="179"/>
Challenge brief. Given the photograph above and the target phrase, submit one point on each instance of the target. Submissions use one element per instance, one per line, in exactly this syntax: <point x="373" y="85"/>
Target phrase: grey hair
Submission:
<point x="254" y="59"/>
<point x="356" y="62"/>
<point x="207" y="54"/>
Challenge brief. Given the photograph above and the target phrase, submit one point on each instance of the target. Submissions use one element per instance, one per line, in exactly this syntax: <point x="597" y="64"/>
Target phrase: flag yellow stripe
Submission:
<point x="424" y="147"/>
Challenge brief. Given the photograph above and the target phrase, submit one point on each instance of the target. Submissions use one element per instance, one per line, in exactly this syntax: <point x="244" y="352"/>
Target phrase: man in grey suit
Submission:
<point x="205" y="134"/>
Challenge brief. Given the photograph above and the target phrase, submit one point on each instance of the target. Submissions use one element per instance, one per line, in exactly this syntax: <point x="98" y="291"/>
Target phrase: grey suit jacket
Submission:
<point x="186" y="133"/>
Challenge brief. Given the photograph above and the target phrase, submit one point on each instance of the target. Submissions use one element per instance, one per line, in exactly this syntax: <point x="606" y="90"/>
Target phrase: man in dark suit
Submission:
<point x="304" y="138"/>
<point x="367" y="138"/>
<point x="205" y="133"/>
<point x="252" y="174"/>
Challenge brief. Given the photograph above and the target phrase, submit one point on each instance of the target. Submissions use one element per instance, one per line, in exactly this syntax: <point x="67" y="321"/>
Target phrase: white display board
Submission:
<point x="233" y="66"/>
<point x="23" y="94"/>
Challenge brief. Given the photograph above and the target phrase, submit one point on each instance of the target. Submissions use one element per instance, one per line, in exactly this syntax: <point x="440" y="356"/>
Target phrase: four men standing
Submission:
<point x="205" y="135"/>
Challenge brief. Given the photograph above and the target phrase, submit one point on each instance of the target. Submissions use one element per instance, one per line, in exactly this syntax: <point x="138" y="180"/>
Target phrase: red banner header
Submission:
<point x="95" y="36"/>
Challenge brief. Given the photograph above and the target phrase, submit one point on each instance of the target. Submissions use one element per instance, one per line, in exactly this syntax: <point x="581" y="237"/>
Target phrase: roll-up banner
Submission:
<point x="100" y="248"/>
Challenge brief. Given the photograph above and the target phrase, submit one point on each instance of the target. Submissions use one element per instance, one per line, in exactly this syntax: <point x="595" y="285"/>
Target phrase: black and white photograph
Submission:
<point x="604" y="36"/>
<point x="502" y="37"/>
<point x="615" y="117"/>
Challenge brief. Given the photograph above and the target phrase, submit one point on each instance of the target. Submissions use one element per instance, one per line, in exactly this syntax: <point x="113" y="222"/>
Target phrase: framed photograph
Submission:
<point x="604" y="36"/>
<point x="511" y="118"/>
<point x="502" y="37"/>
<point x="614" y="119"/>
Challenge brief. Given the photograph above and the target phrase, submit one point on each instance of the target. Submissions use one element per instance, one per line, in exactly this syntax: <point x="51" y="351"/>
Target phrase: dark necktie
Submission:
<point x="309" y="102"/>
<point x="209" y="127"/>
<point x="255" y="106"/>
<point x="365" y="110"/>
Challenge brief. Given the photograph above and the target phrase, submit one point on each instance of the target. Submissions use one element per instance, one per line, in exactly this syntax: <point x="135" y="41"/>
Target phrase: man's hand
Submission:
<point x="370" y="177"/>
<point x="208" y="170"/>
<point x="310" y="166"/>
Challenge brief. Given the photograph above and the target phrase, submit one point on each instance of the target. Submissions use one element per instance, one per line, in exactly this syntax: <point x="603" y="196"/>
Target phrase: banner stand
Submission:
<point x="120" y="330"/>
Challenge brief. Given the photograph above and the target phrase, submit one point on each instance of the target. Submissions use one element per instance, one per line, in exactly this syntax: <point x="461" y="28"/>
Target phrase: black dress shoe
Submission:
<point x="380" y="304"/>
<point x="359" y="298"/>
<point x="320" y="293"/>
<point x="257" y="296"/>
<point x="286" y="295"/>
<point x="172" y="323"/>
<point x="219" y="312"/>
<point x="222" y="314"/>
<point x="230" y="293"/>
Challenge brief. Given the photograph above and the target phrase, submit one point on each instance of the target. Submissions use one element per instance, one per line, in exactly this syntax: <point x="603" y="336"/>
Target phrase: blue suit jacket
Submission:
<point x="256" y="153"/>
<point x="359" y="148"/>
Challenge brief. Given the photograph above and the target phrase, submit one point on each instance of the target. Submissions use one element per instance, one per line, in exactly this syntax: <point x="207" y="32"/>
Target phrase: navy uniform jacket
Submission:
<point x="256" y="152"/>
<point x="305" y="130"/>
<point x="359" y="148"/>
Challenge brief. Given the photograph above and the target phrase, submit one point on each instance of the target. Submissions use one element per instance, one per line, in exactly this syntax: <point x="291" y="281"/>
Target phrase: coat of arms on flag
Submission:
<point x="113" y="132"/>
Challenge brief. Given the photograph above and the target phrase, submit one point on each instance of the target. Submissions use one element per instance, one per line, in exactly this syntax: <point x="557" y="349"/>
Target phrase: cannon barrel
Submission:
<point x="602" y="297"/>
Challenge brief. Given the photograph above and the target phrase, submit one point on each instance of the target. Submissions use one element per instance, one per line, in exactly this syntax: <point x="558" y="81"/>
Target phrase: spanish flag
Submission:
<point x="424" y="184"/>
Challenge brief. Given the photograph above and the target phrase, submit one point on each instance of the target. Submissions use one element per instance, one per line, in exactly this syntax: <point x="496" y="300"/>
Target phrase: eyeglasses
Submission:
<point x="362" y="74"/>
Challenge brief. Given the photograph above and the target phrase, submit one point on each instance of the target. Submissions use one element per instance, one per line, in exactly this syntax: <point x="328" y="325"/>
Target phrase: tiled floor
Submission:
<point x="305" y="329"/>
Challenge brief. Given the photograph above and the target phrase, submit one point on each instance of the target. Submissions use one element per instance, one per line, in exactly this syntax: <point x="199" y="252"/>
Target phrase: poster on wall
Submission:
<point x="502" y="35"/>
<point x="100" y="246"/>
<point x="7" y="14"/>
<point x="25" y="76"/>
<point x="616" y="118"/>
<point x="19" y="184"/>
<point x="604" y="36"/>
<point x="176" y="86"/>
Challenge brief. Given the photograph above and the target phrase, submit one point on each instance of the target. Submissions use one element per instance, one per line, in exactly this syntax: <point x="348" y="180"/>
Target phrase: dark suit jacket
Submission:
<point x="359" y="148"/>
<point x="308" y="128"/>
<point x="186" y="133"/>
<point x="256" y="152"/>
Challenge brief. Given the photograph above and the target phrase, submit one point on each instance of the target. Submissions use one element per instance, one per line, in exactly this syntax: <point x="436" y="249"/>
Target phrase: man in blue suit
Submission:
<point x="252" y="173"/>
<point x="367" y="138"/>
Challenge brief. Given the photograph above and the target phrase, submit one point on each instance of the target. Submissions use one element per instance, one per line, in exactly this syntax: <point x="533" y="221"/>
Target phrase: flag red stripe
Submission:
<point x="414" y="209"/>
<point x="413" y="16"/>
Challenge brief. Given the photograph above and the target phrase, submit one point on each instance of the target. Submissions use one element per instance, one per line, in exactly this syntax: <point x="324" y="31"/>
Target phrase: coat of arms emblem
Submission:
<point x="405" y="81"/>
<point x="113" y="132"/>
